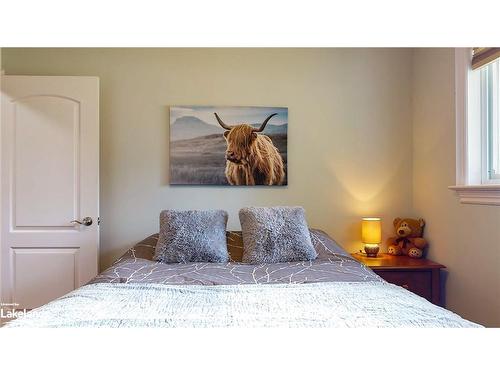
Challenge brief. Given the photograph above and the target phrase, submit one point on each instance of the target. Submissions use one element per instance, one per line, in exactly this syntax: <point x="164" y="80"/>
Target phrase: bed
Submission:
<point x="334" y="290"/>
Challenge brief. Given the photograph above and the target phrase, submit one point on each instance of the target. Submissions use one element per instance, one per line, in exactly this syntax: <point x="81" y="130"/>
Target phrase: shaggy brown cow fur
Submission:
<point x="252" y="158"/>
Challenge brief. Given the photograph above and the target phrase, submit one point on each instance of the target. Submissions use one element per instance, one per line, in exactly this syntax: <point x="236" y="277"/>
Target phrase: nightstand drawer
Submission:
<point x="418" y="282"/>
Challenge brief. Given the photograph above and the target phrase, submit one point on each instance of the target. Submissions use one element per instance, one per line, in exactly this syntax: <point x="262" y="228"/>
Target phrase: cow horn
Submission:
<point x="221" y="122"/>
<point x="264" y="123"/>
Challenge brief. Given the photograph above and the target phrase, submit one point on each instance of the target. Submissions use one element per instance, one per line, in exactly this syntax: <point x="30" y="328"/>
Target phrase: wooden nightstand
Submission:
<point x="420" y="276"/>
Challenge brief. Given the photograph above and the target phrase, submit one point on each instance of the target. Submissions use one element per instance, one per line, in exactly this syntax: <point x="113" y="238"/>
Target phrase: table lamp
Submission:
<point x="371" y="235"/>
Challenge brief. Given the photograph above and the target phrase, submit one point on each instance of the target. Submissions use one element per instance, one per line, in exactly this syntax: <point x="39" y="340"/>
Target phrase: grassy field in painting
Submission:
<point x="200" y="161"/>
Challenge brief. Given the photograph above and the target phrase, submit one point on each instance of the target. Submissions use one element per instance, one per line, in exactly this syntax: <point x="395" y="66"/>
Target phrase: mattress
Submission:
<point x="333" y="290"/>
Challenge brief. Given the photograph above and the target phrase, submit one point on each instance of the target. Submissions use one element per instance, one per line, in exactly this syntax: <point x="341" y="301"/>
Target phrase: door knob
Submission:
<point x="87" y="221"/>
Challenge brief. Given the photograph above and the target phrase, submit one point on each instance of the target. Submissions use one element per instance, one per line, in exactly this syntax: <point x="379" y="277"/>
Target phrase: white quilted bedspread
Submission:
<point x="330" y="304"/>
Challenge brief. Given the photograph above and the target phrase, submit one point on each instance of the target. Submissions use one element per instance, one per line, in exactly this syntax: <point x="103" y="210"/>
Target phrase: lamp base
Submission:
<point x="371" y="251"/>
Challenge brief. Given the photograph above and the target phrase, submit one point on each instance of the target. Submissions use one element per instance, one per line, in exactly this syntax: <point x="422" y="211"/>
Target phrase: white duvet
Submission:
<point x="329" y="304"/>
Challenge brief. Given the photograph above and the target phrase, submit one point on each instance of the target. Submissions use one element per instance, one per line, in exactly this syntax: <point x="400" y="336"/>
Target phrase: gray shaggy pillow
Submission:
<point x="192" y="236"/>
<point x="275" y="234"/>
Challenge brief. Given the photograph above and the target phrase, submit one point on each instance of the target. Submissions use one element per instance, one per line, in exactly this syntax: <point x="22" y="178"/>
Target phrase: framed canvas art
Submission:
<point x="228" y="145"/>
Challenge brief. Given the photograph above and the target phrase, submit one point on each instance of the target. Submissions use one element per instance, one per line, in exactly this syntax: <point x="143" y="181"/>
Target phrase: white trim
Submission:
<point x="478" y="194"/>
<point x="466" y="189"/>
<point x="462" y="63"/>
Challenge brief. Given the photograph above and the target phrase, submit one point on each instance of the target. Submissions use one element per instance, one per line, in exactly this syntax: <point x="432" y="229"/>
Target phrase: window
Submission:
<point x="489" y="77"/>
<point x="478" y="125"/>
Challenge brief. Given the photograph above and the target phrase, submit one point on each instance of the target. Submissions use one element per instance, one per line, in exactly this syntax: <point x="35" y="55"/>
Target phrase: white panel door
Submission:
<point x="49" y="183"/>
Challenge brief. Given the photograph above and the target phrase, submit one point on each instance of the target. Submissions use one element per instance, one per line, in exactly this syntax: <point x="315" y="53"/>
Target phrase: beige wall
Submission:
<point x="349" y="147"/>
<point x="466" y="238"/>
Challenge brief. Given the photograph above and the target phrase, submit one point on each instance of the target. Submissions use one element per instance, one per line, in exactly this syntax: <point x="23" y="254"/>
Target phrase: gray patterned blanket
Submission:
<point x="330" y="304"/>
<point x="332" y="264"/>
<point x="333" y="290"/>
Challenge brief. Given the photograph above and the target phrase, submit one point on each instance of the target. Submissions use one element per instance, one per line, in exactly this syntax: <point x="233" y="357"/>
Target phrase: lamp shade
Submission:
<point x="371" y="230"/>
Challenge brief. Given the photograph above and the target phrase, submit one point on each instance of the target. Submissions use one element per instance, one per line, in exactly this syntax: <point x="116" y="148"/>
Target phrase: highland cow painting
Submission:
<point x="228" y="146"/>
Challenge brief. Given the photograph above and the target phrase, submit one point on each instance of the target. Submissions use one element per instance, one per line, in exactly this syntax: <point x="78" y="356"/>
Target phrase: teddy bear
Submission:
<point x="409" y="239"/>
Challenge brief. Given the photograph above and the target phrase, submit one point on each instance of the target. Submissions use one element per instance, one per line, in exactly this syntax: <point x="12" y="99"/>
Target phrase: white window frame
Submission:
<point x="487" y="177"/>
<point x="471" y="186"/>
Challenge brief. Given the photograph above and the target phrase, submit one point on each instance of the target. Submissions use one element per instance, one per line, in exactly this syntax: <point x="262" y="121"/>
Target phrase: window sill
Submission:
<point x="478" y="194"/>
